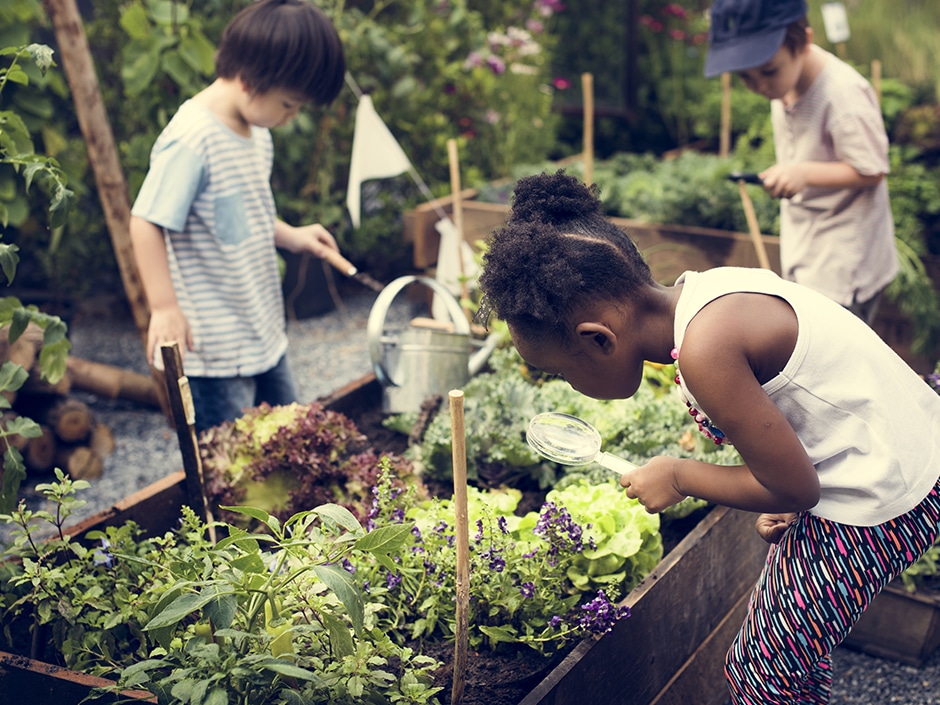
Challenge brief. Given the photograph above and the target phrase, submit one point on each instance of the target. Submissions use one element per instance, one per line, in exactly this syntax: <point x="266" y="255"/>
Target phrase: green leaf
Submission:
<point x="222" y="610"/>
<point x="12" y="376"/>
<point x="342" y="584"/>
<point x="14" y="472"/>
<point x="385" y="539"/>
<point x="288" y="669"/>
<point x="339" y="515"/>
<point x="27" y="428"/>
<point x="182" y="607"/>
<point x="9" y="259"/>
<point x="134" y="21"/>
<point x="259" y="514"/>
<point x="198" y="52"/>
<point x="340" y="638"/>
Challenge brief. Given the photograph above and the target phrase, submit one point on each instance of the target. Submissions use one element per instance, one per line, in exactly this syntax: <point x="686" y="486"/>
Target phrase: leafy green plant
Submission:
<point x="529" y="575"/>
<point x="255" y="619"/>
<point x="501" y="403"/>
<point x="284" y="459"/>
<point x="17" y="152"/>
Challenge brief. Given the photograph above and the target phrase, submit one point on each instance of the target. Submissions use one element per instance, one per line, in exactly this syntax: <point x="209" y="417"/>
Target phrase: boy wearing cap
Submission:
<point x="836" y="227"/>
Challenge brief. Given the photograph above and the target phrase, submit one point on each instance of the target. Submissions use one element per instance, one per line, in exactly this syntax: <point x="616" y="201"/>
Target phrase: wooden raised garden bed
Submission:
<point x="670" y="650"/>
<point x="899" y="625"/>
<point x="669" y="250"/>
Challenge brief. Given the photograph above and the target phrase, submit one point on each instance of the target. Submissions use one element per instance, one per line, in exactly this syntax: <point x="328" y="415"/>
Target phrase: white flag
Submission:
<point x="375" y="154"/>
<point x="450" y="257"/>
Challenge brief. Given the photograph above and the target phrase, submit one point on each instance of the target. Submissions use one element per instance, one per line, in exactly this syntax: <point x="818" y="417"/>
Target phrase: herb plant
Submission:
<point x="253" y="619"/>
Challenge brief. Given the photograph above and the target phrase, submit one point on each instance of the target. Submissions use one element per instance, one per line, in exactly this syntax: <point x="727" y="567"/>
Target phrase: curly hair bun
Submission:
<point x="553" y="198"/>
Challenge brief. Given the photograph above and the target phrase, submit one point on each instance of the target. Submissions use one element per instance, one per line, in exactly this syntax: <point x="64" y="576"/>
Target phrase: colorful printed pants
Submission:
<point x="816" y="583"/>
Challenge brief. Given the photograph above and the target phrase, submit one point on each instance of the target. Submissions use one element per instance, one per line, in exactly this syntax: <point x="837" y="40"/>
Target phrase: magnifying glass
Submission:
<point x="569" y="440"/>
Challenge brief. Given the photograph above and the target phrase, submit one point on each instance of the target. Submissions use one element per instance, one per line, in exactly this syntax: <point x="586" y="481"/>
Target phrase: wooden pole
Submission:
<point x="102" y="155"/>
<point x="454" y="162"/>
<point x="184" y="417"/>
<point x="876" y="78"/>
<point x="753" y="227"/>
<point x="587" y="89"/>
<point x="724" y="148"/>
<point x="462" y="531"/>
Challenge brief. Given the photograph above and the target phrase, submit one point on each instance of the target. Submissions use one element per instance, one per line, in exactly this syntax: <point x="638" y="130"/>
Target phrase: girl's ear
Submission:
<point x="597" y="336"/>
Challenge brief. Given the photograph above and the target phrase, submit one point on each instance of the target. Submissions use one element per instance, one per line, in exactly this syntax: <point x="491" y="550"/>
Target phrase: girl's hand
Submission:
<point x="316" y="240"/>
<point x="771" y="527"/>
<point x="653" y="484"/>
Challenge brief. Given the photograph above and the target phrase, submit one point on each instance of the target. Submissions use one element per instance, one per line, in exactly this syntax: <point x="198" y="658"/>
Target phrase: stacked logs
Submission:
<point x="71" y="439"/>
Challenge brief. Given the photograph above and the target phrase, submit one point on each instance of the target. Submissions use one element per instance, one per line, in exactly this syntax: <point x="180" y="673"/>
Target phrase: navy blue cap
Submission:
<point x="747" y="33"/>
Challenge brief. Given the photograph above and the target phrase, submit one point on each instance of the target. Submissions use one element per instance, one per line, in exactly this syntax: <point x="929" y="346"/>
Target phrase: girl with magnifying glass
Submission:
<point x="838" y="435"/>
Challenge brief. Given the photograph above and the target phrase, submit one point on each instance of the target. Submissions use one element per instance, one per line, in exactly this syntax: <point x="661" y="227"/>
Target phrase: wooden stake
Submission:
<point x="454" y="162"/>
<point x="724" y="148"/>
<point x="753" y="227"/>
<point x="184" y="417"/>
<point x="79" y="69"/>
<point x="462" y="629"/>
<point x="876" y="78"/>
<point x="587" y="90"/>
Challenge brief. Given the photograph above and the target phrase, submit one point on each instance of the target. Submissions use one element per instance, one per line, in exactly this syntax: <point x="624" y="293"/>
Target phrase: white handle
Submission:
<point x="614" y="462"/>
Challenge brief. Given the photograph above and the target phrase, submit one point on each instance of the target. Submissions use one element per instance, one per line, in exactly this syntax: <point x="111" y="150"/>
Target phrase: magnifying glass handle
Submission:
<point x="615" y="463"/>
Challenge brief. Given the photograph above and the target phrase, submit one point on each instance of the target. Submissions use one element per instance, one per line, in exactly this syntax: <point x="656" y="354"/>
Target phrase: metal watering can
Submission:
<point x="418" y="362"/>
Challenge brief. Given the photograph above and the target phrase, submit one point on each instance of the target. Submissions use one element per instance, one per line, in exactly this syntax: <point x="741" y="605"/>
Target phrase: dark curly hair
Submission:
<point x="556" y="250"/>
<point x="287" y="44"/>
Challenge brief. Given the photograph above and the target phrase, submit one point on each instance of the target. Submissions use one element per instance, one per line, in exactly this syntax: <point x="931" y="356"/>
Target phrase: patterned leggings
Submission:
<point x="816" y="583"/>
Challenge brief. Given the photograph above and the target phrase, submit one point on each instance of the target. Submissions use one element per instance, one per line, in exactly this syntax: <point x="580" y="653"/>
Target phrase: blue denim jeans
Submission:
<point x="218" y="399"/>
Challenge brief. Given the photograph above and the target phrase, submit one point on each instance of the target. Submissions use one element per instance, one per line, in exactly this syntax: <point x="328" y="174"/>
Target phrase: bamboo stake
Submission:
<point x="454" y="162"/>
<point x="462" y="629"/>
<point x="184" y="417"/>
<point x="753" y="227"/>
<point x="725" y="139"/>
<point x="876" y="78"/>
<point x="102" y="155"/>
<point x="587" y="89"/>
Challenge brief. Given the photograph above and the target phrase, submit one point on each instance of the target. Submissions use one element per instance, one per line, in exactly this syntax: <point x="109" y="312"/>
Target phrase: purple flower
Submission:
<point x="103" y="557"/>
<point x="554" y="622"/>
<point x="392" y="580"/>
<point x="599" y="615"/>
<point x="527" y="589"/>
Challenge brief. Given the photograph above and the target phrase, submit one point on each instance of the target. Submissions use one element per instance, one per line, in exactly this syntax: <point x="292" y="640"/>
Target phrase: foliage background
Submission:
<point x="412" y="56"/>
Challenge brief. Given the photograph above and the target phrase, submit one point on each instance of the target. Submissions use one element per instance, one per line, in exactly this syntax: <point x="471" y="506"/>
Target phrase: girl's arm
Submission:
<point x="732" y="346"/>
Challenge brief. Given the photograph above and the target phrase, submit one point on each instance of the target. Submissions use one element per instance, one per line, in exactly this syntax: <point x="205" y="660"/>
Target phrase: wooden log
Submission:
<point x="24" y="351"/>
<point x="40" y="452"/>
<point x="35" y="384"/>
<point x="112" y="382"/>
<point x="80" y="462"/>
<point x="102" y="440"/>
<point x="70" y="419"/>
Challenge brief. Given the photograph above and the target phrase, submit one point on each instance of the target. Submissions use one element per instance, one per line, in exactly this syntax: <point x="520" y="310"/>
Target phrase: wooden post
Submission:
<point x="454" y="164"/>
<point x="587" y="90"/>
<point x="184" y="418"/>
<point x="724" y="148"/>
<point x="753" y="226"/>
<point x="462" y="536"/>
<point x="876" y="78"/>
<point x="102" y="154"/>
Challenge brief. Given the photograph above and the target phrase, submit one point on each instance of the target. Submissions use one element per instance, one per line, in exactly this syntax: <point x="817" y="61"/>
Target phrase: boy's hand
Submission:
<point x="313" y="238"/>
<point x="653" y="484"/>
<point x="771" y="527"/>
<point x="167" y="324"/>
<point x="784" y="180"/>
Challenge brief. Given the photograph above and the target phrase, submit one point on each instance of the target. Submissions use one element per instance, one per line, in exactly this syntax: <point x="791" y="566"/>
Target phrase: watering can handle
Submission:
<point x="376" y="324"/>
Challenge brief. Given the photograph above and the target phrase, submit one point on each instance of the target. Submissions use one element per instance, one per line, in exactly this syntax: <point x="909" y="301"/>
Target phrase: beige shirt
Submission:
<point x="839" y="242"/>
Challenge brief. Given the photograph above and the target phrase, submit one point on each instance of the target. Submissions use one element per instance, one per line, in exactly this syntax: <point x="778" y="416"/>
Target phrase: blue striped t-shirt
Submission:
<point x="209" y="189"/>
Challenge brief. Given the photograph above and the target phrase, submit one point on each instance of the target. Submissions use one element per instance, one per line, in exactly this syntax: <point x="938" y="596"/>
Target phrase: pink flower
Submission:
<point x="534" y="26"/>
<point x="677" y="34"/>
<point x="674" y="10"/>
<point x="561" y="84"/>
<point x="651" y="23"/>
<point x="497" y="65"/>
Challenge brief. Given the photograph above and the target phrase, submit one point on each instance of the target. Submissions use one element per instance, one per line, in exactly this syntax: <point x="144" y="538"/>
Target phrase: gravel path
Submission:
<point x="325" y="353"/>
